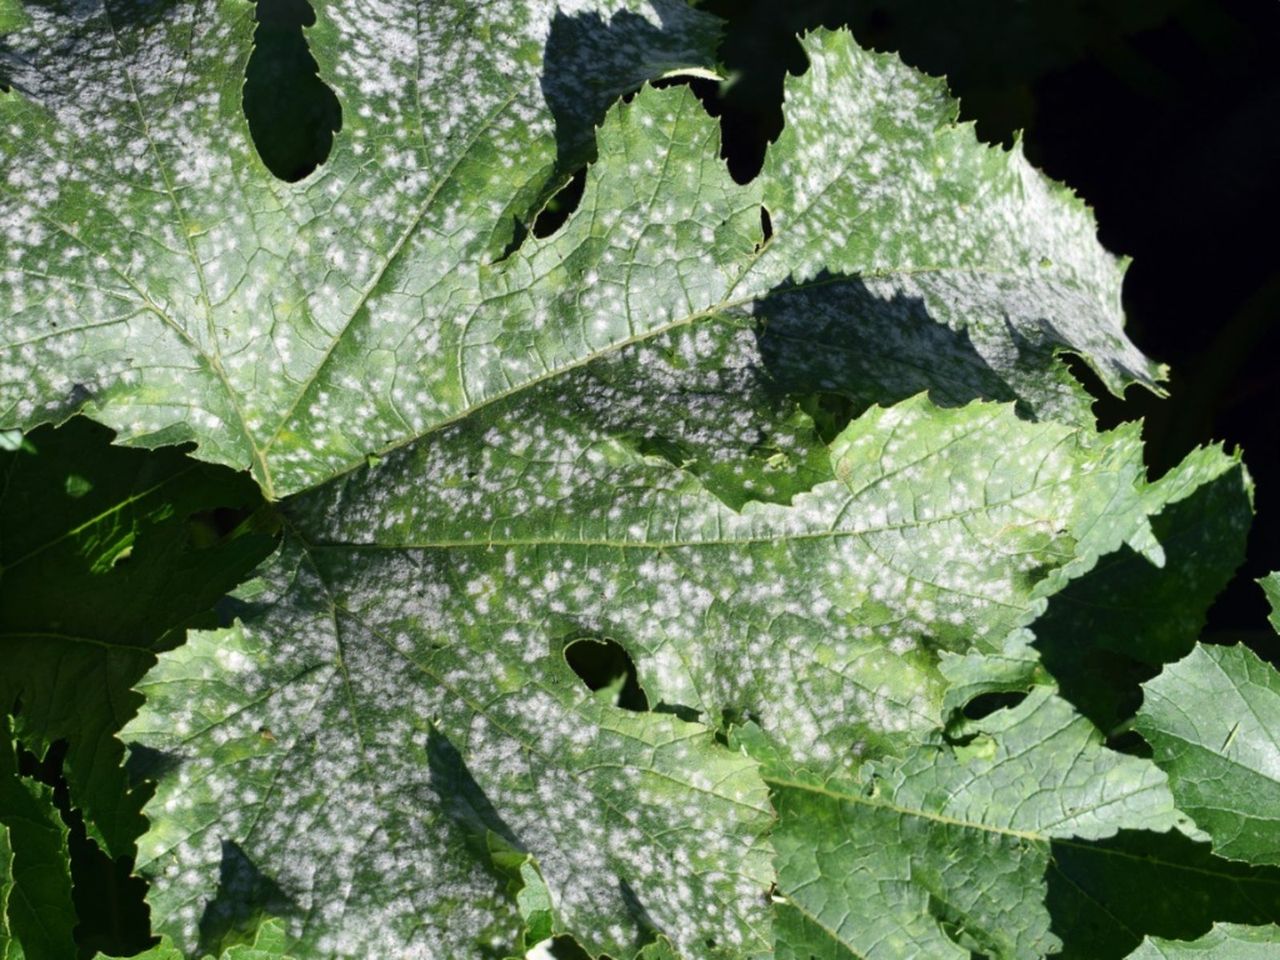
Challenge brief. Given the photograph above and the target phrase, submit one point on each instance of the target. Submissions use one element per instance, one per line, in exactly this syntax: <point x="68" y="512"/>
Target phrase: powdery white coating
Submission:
<point x="588" y="438"/>
<point x="873" y="178"/>
<point x="329" y="765"/>
<point x="155" y="271"/>
<point x="421" y="606"/>
<point x="823" y="619"/>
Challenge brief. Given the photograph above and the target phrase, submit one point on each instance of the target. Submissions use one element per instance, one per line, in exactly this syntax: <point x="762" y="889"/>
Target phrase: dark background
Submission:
<point x="1163" y="115"/>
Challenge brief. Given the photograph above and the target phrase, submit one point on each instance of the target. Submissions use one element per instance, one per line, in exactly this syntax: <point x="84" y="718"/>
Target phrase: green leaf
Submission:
<point x="656" y="428"/>
<point x="962" y="269"/>
<point x="945" y="851"/>
<point x="268" y="944"/>
<point x="1101" y="892"/>
<point x="40" y="914"/>
<point x="9" y="948"/>
<point x="1227" y="941"/>
<point x="1271" y="587"/>
<point x="408" y="631"/>
<point x="184" y="293"/>
<point x="130" y="536"/>
<point x="1213" y="719"/>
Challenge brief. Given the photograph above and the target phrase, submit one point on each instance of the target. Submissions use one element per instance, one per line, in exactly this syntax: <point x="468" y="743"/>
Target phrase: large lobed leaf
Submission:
<point x="657" y="428"/>
<point x="162" y="279"/>
<point x="401" y="617"/>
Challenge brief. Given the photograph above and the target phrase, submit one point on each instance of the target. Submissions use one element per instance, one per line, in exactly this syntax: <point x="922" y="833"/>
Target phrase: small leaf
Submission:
<point x="40" y="914"/>
<point x="1213" y="720"/>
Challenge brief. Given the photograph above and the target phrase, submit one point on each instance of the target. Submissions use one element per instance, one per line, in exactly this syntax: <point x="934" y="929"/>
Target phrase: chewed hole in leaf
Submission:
<point x="292" y="114"/>
<point x="561" y="205"/>
<point x="986" y="704"/>
<point x="608" y="671"/>
<point x="209" y="527"/>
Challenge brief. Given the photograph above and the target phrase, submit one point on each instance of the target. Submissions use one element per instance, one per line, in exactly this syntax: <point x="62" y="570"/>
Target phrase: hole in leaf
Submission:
<point x="766" y="224"/>
<point x="986" y="704"/>
<point x="608" y="671"/>
<point x="209" y="527"/>
<point x="561" y="204"/>
<point x="564" y="947"/>
<point x="830" y="412"/>
<point x="292" y="114"/>
<point x="1130" y="742"/>
<point x="678" y="710"/>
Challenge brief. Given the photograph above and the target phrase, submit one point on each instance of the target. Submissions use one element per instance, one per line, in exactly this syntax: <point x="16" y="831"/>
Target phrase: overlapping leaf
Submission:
<point x="108" y="556"/>
<point x="1212" y="719"/>
<point x="944" y="851"/>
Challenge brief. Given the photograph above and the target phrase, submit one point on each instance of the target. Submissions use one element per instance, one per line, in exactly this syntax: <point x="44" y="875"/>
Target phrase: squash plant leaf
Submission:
<point x="268" y="944"/>
<point x="39" y="915"/>
<point x="1226" y="941"/>
<point x="944" y="852"/>
<point x="1213" y="720"/>
<point x="163" y="281"/>
<point x="405" y="650"/>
